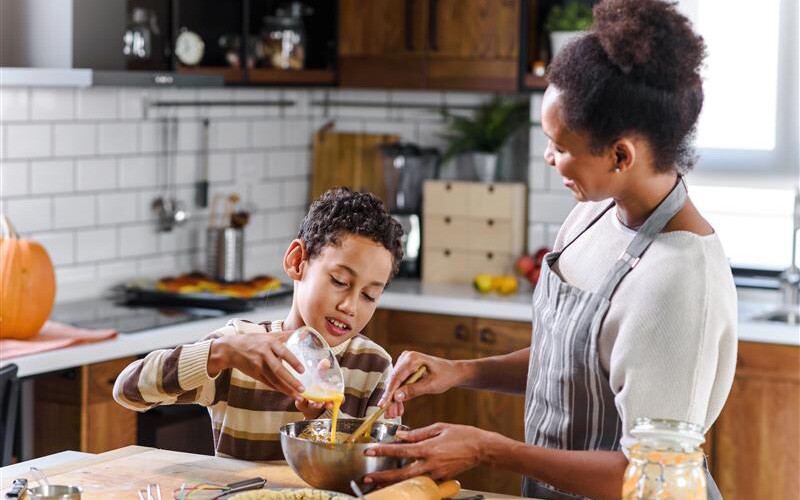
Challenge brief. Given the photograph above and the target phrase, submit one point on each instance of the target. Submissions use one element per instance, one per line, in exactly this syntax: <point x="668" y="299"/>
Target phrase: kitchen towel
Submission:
<point x="53" y="335"/>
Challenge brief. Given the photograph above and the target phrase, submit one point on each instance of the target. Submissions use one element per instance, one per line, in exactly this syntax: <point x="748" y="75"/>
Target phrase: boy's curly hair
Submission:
<point x="340" y="212"/>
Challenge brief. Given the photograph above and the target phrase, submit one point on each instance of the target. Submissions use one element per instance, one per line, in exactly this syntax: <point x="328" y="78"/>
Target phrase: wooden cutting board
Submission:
<point x="348" y="159"/>
<point x="119" y="474"/>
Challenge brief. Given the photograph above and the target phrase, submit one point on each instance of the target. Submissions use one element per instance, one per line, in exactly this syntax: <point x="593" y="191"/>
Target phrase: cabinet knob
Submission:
<point x="490" y="255"/>
<point x="447" y="253"/>
<point x="448" y="187"/>
<point x="448" y="220"/>
<point x="491" y="189"/>
<point x="461" y="332"/>
<point x="487" y="336"/>
<point x="490" y="222"/>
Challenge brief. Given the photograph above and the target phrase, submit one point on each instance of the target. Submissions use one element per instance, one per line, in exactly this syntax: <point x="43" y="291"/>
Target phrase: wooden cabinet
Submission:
<point x="456" y="337"/>
<point x="75" y="410"/>
<point x="755" y="450"/>
<point x="435" y="44"/>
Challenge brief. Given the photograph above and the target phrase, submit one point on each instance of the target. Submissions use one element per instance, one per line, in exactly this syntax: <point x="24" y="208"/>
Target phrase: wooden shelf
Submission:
<point x="308" y="76"/>
<point x="231" y="75"/>
<point x="533" y="82"/>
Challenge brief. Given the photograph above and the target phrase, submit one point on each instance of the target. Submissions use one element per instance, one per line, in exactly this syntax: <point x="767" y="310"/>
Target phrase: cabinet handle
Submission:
<point x="432" y="31"/>
<point x="461" y="332"/>
<point x="487" y="336"/>
<point x="409" y="26"/>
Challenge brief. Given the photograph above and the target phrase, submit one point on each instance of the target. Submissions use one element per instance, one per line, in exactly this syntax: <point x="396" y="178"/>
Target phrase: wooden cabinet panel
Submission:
<point x="447" y="198"/>
<point x="756" y="449"/>
<point x="75" y="410"/>
<point x="478" y="29"/>
<point x="501" y="337"/>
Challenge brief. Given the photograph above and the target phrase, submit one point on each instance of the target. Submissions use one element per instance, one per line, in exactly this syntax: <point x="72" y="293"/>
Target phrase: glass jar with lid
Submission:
<point x="666" y="462"/>
<point x="283" y="37"/>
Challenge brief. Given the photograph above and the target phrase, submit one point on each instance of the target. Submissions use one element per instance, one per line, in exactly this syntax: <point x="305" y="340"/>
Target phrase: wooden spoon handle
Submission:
<point x="366" y="425"/>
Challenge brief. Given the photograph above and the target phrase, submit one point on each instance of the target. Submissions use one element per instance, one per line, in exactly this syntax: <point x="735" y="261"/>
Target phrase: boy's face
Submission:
<point x="338" y="290"/>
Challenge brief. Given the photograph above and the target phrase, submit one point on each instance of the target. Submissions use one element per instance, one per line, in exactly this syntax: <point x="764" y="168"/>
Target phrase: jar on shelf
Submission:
<point x="283" y="37"/>
<point x="140" y="34"/>
<point x="666" y="462"/>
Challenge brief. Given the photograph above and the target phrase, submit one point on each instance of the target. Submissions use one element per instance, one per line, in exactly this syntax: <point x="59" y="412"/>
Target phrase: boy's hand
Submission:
<point x="311" y="409"/>
<point x="259" y="355"/>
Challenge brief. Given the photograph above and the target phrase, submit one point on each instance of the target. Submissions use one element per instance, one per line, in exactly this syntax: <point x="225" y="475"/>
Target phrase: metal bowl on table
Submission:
<point x="333" y="466"/>
<point x="54" y="492"/>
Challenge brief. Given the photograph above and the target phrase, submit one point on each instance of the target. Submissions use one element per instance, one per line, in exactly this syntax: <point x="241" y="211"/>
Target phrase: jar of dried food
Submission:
<point x="666" y="463"/>
<point x="283" y="37"/>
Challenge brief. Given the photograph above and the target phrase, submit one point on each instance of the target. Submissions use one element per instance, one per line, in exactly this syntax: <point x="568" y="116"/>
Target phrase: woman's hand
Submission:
<point x="258" y="355"/>
<point x="441" y="451"/>
<point x="442" y="374"/>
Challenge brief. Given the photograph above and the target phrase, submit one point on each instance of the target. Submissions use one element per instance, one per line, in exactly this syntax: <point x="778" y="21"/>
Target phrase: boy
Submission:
<point x="347" y="250"/>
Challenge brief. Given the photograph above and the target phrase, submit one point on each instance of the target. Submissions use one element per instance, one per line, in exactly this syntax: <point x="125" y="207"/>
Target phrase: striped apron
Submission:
<point x="569" y="403"/>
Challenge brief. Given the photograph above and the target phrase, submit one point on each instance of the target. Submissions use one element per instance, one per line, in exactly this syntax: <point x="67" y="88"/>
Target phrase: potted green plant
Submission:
<point x="479" y="137"/>
<point x="566" y="22"/>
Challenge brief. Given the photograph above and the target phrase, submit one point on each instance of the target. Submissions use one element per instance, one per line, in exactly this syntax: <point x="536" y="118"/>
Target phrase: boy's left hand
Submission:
<point x="311" y="409"/>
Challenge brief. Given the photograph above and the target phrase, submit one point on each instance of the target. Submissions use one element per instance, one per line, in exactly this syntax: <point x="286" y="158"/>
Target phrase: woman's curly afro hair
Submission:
<point x="636" y="71"/>
<point x="341" y="212"/>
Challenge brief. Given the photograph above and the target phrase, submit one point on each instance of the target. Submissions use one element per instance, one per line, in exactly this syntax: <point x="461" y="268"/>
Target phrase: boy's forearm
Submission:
<point x="504" y="373"/>
<point x="595" y="474"/>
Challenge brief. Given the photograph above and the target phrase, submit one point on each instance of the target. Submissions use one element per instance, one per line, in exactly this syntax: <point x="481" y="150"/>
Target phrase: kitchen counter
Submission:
<point x="121" y="473"/>
<point x="402" y="294"/>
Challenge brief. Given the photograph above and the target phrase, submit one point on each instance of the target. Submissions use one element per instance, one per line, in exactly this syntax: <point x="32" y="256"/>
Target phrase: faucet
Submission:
<point x="790" y="277"/>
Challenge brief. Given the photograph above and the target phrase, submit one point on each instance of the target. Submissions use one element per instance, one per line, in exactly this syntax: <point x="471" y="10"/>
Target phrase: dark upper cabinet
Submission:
<point x="434" y="44"/>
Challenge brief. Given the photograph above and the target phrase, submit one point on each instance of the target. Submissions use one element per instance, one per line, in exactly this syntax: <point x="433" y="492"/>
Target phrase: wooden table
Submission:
<point x="119" y="474"/>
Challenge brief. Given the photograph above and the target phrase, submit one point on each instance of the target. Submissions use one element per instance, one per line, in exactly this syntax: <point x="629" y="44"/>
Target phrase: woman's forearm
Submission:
<point x="594" y="474"/>
<point x="505" y="373"/>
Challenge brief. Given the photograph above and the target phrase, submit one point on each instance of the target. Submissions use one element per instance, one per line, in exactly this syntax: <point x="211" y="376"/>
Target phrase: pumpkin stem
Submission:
<point x="7" y="228"/>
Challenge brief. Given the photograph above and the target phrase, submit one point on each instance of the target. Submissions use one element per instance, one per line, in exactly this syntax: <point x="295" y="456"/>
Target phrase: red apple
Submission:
<point x="524" y="265"/>
<point x="538" y="257"/>
<point x="533" y="276"/>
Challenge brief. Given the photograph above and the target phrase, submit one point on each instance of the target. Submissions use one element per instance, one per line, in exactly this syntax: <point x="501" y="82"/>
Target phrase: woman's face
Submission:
<point x="590" y="177"/>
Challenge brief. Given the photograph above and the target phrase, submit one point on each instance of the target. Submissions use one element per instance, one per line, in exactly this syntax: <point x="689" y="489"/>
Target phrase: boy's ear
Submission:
<point x="295" y="260"/>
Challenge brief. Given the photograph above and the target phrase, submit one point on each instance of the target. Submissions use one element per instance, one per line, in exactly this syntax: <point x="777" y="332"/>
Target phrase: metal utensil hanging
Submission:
<point x="170" y="211"/>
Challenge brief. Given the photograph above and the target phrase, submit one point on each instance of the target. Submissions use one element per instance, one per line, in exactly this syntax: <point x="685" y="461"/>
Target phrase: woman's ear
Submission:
<point x="295" y="259"/>
<point x="624" y="151"/>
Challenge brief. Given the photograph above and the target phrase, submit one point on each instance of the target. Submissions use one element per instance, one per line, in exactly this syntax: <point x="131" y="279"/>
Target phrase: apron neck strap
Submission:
<point x="646" y="234"/>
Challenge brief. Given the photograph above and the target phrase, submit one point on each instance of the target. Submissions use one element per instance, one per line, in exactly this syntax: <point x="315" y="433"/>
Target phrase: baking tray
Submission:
<point x="150" y="297"/>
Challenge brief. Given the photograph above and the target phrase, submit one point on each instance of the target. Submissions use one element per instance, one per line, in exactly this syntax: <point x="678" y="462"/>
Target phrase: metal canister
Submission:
<point x="225" y="253"/>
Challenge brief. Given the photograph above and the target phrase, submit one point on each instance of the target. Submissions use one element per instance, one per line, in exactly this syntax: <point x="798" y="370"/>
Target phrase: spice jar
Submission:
<point x="666" y="463"/>
<point x="283" y="37"/>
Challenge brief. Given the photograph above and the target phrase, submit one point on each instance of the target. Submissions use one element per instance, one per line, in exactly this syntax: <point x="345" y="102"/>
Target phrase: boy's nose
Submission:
<point x="347" y="305"/>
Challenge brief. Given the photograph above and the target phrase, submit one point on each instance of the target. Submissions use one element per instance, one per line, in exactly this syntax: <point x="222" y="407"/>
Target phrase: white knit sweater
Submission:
<point x="668" y="342"/>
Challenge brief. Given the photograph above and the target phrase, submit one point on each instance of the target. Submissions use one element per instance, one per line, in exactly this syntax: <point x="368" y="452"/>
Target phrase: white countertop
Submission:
<point x="404" y="295"/>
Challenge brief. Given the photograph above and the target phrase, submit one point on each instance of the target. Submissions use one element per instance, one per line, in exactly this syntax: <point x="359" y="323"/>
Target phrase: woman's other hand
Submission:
<point x="440" y="451"/>
<point x="311" y="409"/>
<point x="441" y="375"/>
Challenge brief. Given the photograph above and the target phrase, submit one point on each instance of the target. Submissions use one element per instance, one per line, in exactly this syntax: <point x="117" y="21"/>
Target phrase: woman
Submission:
<point x="635" y="311"/>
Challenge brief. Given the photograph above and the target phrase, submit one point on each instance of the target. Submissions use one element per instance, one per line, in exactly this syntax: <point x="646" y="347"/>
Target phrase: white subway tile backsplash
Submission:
<point x="30" y="214"/>
<point x="265" y="258"/>
<point x="130" y="102"/>
<point x="537" y="237"/>
<point x="189" y="135"/>
<point x="295" y="193"/>
<point x="537" y="174"/>
<point x="120" y="270"/>
<point x="281" y="164"/>
<point x="74" y="139"/>
<point x="265" y="133"/>
<point x="249" y="167"/>
<point x="162" y="265"/>
<point x="284" y="224"/>
<point x="429" y="135"/>
<point x="14" y="178"/>
<point x="229" y="134"/>
<point x="95" y="174"/>
<point x="14" y="104"/>
<point x="466" y="98"/>
<point x="137" y="240"/>
<point x="151" y="136"/>
<point x="96" y="244"/>
<point x="296" y="132"/>
<point x="406" y="130"/>
<point x="28" y="141"/>
<point x="74" y="211"/>
<point x="60" y="246"/>
<point x="266" y="195"/>
<point x="538" y="142"/>
<point x="255" y="95"/>
<point x="187" y="168"/>
<point x="216" y="95"/>
<point x="255" y="231"/>
<point x="118" y="138"/>
<point x="53" y="104"/>
<point x="220" y="167"/>
<point x="117" y="208"/>
<point x="52" y="176"/>
<point x="76" y="282"/>
<point x="359" y="96"/>
<point x="550" y="207"/>
<point x="96" y="104"/>
<point x="140" y="171"/>
<point x="536" y="107"/>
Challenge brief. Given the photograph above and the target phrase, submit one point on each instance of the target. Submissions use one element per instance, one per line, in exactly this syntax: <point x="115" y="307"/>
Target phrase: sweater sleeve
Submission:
<point x="673" y="349"/>
<point x="174" y="376"/>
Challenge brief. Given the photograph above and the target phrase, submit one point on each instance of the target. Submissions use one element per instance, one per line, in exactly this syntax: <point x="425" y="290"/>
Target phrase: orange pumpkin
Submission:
<point x="27" y="284"/>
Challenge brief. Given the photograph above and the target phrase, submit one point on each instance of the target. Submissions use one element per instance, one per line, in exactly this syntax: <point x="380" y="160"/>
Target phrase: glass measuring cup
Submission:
<point x="323" y="377"/>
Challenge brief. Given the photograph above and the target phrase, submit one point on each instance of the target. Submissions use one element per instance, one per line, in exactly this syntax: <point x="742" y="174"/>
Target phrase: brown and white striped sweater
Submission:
<point x="246" y="415"/>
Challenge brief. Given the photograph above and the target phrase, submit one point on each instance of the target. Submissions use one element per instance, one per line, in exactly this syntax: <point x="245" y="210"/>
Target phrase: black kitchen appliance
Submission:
<point x="405" y="167"/>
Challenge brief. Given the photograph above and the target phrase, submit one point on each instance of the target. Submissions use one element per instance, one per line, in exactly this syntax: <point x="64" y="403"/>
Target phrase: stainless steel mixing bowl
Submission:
<point x="333" y="466"/>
